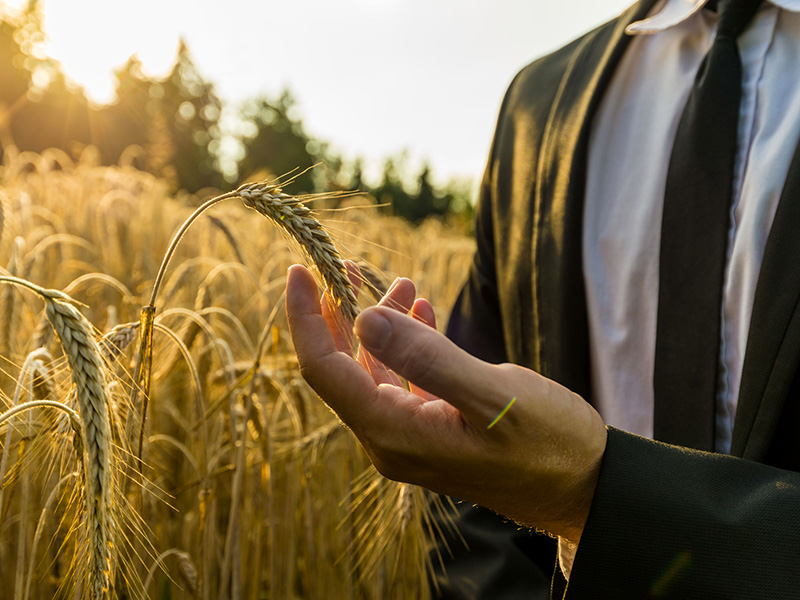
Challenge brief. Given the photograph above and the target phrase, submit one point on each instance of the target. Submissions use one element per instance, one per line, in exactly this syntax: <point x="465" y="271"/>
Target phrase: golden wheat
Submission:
<point x="89" y="377"/>
<point x="251" y="480"/>
<point x="114" y="343"/>
<point x="292" y="214"/>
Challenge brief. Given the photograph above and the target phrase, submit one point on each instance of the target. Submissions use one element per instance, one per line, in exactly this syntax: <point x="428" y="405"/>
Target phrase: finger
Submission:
<point x="429" y="360"/>
<point x="400" y="297"/>
<point x="342" y="330"/>
<point x="380" y="373"/>
<point x="354" y="275"/>
<point x="422" y="311"/>
<point x="336" y="377"/>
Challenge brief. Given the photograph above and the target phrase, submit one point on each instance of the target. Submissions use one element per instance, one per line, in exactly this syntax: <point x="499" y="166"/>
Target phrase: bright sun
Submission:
<point x="90" y="38"/>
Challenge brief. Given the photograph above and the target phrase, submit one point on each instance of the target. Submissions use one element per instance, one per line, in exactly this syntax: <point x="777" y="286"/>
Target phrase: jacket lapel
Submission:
<point x="559" y="295"/>
<point x="773" y="343"/>
<point x="773" y="348"/>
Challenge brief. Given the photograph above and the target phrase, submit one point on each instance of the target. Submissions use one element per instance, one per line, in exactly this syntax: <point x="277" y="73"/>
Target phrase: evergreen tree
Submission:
<point x="391" y="191"/>
<point x="191" y="112"/>
<point x="175" y="120"/>
<point x="278" y="143"/>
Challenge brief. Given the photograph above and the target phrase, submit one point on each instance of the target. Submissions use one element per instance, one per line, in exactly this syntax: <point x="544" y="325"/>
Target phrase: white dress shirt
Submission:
<point x="629" y="148"/>
<point x="630" y="144"/>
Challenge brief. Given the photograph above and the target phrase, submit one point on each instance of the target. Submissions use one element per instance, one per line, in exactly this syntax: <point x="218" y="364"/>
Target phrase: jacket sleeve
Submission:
<point x="672" y="523"/>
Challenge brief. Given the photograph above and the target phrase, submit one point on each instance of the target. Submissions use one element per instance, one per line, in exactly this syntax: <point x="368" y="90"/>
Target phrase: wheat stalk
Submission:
<point x="9" y="316"/>
<point x="405" y="505"/>
<point x="55" y="495"/>
<point x="89" y="378"/>
<point x="32" y="365"/>
<point x="42" y="335"/>
<point x="293" y="216"/>
<point x="223" y="227"/>
<point x="74" y="418"/>
<point x="373" y="281"/>
<point x="186" y="568"/>
<point x="41" y="378"/>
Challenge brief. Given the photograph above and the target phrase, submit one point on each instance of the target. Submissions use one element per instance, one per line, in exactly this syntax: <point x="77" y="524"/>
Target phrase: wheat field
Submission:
<point x="238" y="482"/>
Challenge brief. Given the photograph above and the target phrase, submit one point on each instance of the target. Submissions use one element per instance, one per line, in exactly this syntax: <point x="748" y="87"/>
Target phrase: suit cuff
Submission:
<point x="672" y="523"/>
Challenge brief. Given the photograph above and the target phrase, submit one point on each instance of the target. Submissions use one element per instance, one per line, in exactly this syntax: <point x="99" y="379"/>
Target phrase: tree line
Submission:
<point x="176" y="121"/>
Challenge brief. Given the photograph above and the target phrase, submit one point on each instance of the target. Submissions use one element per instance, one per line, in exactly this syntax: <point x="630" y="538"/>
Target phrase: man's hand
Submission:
<point x="501" y="436"/>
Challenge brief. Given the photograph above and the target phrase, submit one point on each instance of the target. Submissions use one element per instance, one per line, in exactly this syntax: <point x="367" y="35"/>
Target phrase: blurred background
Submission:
<point x="397" y="98"/>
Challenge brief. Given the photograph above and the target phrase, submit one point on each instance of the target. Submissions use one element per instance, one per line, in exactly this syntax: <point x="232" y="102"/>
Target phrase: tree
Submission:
<point x="38" y="107"/>
<point x="391" y="191"/>
<point x="15" y="79"/>
<point x="174" y="119"/>
<point x="191" y="111"/>
<point x="424" y="199"/>
<point x="277" y="143"/>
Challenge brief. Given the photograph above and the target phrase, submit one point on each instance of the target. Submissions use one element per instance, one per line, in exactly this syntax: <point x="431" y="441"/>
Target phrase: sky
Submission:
<point x="371" y="77"/>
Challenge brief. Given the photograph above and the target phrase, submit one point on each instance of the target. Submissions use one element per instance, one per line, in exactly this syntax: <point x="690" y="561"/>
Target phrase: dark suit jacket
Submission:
<point x="665" y="522"/>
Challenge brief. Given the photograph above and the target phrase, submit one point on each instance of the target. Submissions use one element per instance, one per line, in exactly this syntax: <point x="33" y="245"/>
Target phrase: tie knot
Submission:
<point x="734" y="15"/>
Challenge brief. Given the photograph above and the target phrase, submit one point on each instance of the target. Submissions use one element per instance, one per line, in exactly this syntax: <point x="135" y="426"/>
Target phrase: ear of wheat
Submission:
<point x="113" y="343"/>
<point x="293" y="216"/>
<point x="89" y="378"/>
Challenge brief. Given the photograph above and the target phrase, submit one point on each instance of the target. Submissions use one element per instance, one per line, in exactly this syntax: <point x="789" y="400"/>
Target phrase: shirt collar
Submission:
<point x="674" y="12"/>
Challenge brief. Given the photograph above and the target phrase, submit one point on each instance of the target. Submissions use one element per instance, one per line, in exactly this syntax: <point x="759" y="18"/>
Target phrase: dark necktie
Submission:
<point x="694" y="241"/>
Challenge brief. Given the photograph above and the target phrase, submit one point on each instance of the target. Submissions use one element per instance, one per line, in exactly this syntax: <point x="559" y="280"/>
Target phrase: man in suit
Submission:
<point x="564" y="284"/>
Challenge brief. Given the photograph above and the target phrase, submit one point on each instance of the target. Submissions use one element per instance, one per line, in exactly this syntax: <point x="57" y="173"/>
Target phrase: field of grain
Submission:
<point x="246" y="485"/>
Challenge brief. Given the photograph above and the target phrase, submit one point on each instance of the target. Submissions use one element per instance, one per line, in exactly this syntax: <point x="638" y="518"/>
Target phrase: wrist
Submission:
<point x="581" y="493"/>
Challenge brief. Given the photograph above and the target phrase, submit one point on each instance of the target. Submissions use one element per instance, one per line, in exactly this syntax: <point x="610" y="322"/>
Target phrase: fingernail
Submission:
<point x="373" y="329"/>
